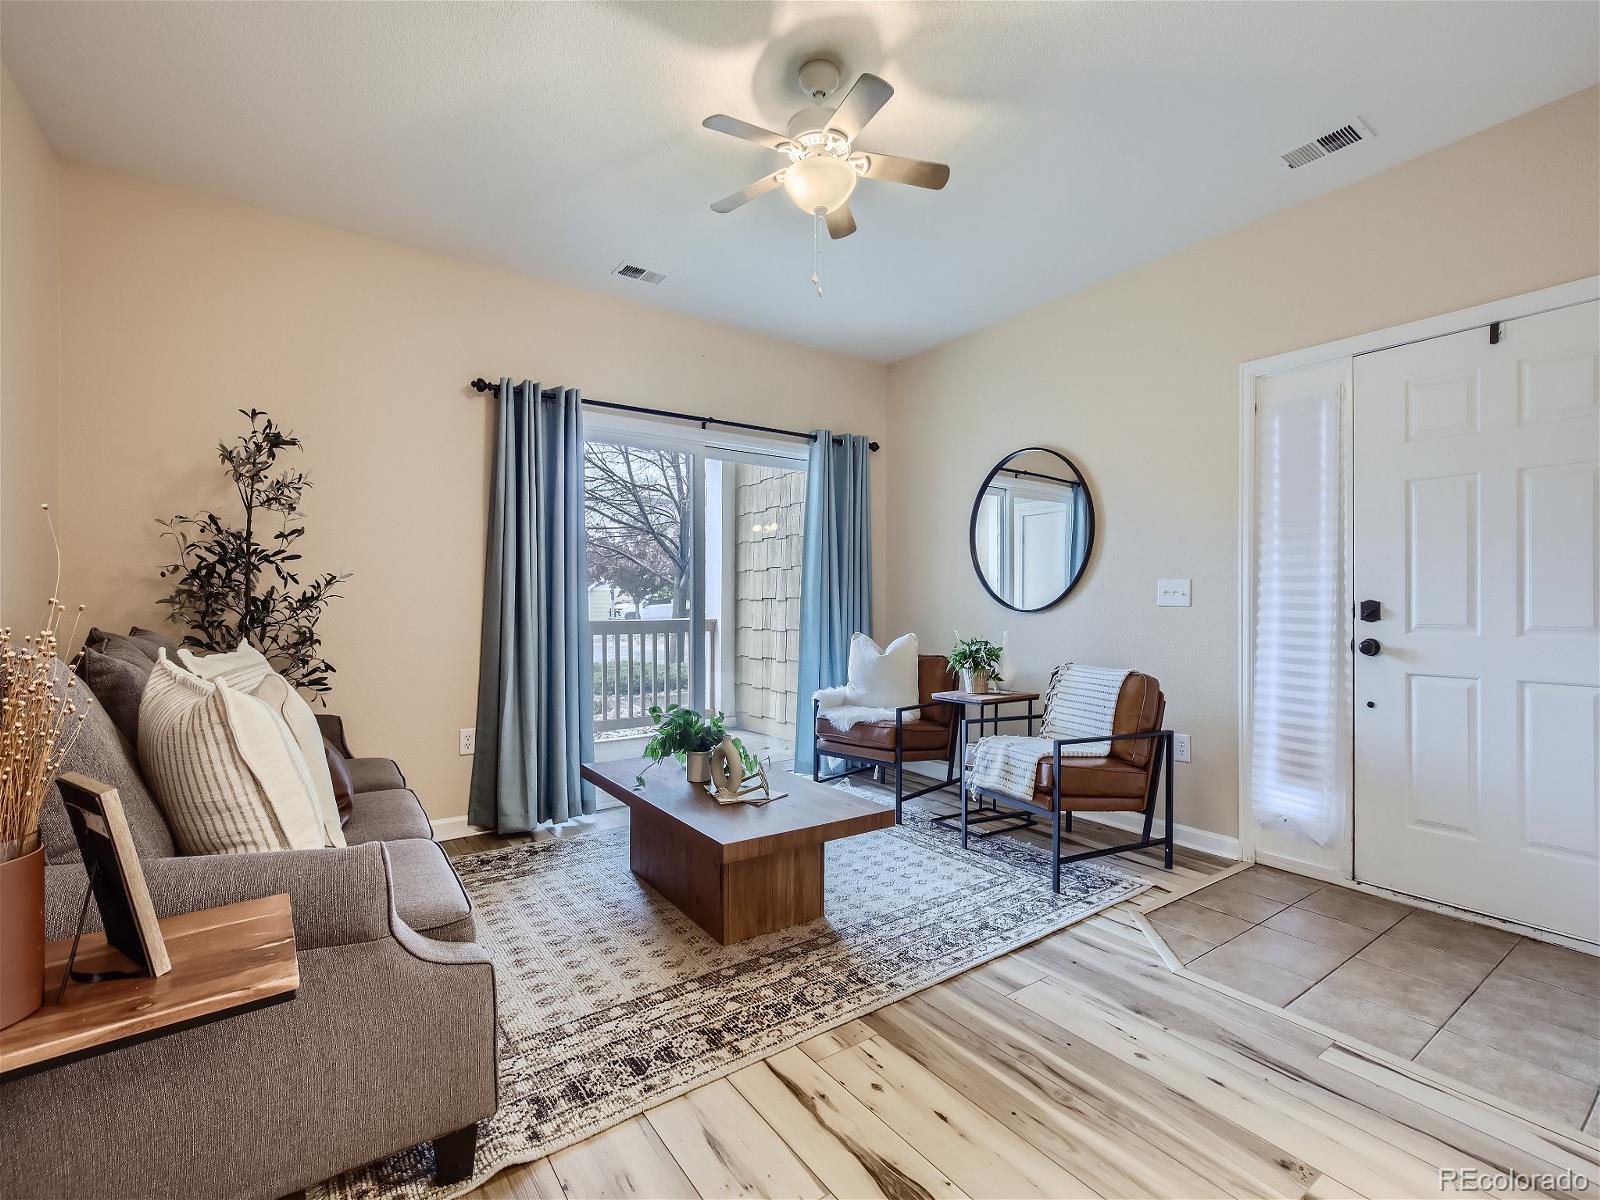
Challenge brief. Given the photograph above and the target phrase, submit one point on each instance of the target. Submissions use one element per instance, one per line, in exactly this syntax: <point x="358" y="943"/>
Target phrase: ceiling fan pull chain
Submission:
<point x="816" y="252"/>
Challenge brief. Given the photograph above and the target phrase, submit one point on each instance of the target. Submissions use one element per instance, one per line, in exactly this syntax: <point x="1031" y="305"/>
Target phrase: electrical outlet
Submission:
<point x="1172" y="593"/>
<point x="469" y="739"/>
<point x="1180" y="747"/>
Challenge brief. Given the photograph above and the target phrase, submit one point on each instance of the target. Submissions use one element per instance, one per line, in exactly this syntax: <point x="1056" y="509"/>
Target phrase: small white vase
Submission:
<point x="975" y="682"/>
<point x="698" y="766"/>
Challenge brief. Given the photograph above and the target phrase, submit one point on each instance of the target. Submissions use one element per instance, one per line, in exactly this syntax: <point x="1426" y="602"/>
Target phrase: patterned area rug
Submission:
<point x="611" y="1000"/>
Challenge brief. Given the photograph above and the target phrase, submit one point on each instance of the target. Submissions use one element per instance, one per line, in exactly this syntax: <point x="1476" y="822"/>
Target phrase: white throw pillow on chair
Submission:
<point x="882" y="677"/>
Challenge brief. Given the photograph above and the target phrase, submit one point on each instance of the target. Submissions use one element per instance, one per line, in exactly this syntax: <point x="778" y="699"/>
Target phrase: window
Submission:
<point x="694" y="579"/>
<point x="1298" y="693"/>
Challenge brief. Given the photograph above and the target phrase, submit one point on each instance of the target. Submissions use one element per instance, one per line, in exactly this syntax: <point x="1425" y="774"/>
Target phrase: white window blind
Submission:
<point x="1300" y="660"/>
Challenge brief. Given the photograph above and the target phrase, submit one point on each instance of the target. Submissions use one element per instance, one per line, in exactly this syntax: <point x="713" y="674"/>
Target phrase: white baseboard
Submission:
<point x="1215" y="844"/>
<point x="1301" y="866"/>
<point x="448" y="829"/>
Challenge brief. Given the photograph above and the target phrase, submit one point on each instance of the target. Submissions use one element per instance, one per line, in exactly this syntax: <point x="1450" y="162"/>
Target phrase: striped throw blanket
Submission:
<point x="1080" y="702"/>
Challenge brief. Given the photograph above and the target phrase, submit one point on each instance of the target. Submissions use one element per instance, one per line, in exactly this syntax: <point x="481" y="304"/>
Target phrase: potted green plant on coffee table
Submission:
<point x="978" y="661"/>
<point x="690" y="736"/>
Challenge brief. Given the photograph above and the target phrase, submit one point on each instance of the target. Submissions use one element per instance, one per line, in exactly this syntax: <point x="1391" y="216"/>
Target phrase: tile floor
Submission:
<point x="1517" y="1018"/>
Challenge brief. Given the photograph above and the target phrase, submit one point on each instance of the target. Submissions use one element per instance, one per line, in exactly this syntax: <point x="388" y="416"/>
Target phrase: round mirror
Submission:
<point x="1032" y="529"/>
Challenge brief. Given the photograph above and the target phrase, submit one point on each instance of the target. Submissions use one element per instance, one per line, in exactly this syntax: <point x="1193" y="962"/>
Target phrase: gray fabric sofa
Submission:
<point x="389" y="1042"/>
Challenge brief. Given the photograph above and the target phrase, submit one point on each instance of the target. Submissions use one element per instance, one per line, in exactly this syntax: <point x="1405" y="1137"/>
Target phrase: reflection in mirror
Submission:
<point x="1032" y="528"/>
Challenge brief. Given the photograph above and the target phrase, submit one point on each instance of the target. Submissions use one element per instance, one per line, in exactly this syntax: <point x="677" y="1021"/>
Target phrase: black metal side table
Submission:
<point x="988" y="706"/>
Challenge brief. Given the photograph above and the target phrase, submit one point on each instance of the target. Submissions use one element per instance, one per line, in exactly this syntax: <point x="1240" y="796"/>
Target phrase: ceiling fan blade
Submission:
<point x="914" y="171"/>
<point x="866" y="97"/>
<point x="841" y="224"/>
<point x="759" y="188"/>
<point x="734" y="127"/>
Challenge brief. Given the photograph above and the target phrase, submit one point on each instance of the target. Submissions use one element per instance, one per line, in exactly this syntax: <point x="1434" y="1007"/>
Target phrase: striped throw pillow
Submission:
<point x="224" y="768"/>
<point x="247" y="670"/>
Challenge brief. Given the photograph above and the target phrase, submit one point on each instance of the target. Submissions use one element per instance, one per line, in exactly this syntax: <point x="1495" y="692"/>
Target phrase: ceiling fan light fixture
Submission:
<point x="819" y="182"/>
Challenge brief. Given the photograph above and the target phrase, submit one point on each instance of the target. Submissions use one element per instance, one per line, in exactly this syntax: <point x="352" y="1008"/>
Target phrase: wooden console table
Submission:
<point x="225" y="961"/>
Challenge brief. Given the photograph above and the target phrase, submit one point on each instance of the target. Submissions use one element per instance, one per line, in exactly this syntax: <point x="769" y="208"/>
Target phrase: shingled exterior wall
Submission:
<point x="769" y="504"/>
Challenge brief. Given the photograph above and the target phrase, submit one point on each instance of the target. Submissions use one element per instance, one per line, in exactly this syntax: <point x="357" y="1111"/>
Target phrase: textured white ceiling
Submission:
<point x="557" y="139"/>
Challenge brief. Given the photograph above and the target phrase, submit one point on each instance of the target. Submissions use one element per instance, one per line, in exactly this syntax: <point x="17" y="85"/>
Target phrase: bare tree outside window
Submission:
<point x="638" y="517"/>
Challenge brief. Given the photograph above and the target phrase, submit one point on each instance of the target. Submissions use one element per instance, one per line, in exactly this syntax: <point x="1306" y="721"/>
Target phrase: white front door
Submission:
<point x="1476" y="517"/>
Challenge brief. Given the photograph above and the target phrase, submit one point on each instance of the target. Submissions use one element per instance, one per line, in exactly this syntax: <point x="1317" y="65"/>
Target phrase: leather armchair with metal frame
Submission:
<point x="929" y="736"/>
<point x="1136" y="769"/>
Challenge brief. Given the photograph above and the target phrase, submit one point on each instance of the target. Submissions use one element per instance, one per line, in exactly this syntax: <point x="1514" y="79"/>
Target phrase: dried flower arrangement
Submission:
<point x="38" y="722"/>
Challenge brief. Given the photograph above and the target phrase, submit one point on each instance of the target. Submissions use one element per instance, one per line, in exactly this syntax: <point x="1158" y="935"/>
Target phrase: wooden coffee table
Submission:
<point x="736" y="870"/>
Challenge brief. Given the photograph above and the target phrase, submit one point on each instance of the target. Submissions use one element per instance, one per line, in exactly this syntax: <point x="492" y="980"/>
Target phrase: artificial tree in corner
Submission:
<point x="240" y="582"/>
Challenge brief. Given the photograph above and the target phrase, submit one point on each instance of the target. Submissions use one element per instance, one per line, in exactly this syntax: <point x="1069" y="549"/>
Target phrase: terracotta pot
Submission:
<point x="976" y="682"/>
<point x="698" y="766"/>
<point x="21" y="936"/>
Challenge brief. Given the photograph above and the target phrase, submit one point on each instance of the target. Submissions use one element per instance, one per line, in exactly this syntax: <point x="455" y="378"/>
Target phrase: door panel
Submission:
<point x="1442" y="407"/>
<point x="1559" y="731"/>
<point x="1442" y="554"/>
<point x="1560" y="579"/>
<point x="1442" y="745"/>
<point x="1476" y="508"/>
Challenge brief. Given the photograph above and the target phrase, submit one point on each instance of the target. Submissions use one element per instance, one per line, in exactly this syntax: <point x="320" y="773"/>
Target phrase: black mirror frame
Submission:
<point x="972" y="529"/>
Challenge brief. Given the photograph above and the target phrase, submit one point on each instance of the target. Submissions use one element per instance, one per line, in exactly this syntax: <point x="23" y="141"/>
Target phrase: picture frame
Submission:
<point x="116" y="876"/>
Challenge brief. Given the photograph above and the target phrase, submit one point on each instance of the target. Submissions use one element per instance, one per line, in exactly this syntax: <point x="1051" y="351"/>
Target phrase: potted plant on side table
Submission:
<point x="978" y="661"/>
<point x="39" y="717"/>
<point x="690" y="736"/>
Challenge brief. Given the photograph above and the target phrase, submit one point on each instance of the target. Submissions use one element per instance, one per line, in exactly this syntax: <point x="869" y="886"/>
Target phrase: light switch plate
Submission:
<point x="469" y="739"/>
<point x="1172" y="593"/>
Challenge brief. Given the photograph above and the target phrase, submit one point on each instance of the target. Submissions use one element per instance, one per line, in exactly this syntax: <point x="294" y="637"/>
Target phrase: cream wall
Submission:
<point x="179" y="309"/>
<point x="1137" y="380"/>
<point x="30" y="355"/>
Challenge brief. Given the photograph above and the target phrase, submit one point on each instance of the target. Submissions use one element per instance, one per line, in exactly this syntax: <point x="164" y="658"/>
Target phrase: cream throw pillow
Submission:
<point x="882" y="678"/>
<point x="247" y="670"/>
<point x="224" y="768"/>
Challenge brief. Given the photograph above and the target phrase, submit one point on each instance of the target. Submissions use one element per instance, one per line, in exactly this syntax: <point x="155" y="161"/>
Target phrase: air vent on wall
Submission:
<point x="1338" y="139"/>
<point x="629" y="271"/>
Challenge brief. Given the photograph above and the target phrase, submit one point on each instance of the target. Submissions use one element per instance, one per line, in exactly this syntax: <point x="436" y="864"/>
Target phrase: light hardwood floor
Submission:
<point x="1078" y="1066"/>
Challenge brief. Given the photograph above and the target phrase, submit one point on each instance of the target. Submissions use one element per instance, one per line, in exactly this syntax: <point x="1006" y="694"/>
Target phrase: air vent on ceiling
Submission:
<point x="1338" y="139"/>
<point x="643" y="275"/>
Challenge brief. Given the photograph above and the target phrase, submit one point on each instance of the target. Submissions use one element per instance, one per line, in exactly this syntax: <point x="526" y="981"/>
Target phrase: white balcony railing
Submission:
<point x="641" y="663"/>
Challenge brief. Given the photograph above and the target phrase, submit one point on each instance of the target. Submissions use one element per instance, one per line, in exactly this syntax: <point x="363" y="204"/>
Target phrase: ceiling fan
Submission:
<point x="824" y="163"/>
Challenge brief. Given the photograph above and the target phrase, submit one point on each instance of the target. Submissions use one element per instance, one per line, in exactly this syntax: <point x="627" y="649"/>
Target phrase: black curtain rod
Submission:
<point x="1021" y="474"/>
<point x="483" y="385"/>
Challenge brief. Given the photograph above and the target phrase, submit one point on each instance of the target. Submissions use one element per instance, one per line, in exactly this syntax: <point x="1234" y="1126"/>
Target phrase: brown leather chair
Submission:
<point x="1126" y="779"/>
<point x="923" y="732"/>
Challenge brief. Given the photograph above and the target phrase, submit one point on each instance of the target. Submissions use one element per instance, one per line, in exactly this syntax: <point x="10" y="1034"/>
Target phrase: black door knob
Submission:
<point x="1369" y="647"/>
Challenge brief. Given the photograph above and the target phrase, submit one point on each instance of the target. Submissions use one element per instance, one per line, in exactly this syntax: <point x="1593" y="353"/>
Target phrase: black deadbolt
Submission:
<point x="1370" y="610"/>
<point x="1369" y="647"/>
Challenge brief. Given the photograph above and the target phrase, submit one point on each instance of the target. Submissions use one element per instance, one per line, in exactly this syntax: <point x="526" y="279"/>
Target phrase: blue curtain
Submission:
<point x="535" y="724"/>
<point x="836" y="578"/>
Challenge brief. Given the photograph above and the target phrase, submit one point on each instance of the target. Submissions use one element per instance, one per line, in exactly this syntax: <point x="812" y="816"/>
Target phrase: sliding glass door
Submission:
<point x="694" y="584"/>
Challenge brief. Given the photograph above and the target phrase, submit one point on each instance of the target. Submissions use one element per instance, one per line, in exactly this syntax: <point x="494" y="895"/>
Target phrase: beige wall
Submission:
<point x="1137" y="380"/>
<point x="179" y="309"/>
<point x="30" y="355"/>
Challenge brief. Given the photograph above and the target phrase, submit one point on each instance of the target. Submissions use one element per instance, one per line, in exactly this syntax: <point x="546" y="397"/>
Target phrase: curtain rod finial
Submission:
<point x="482" y="385"/>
